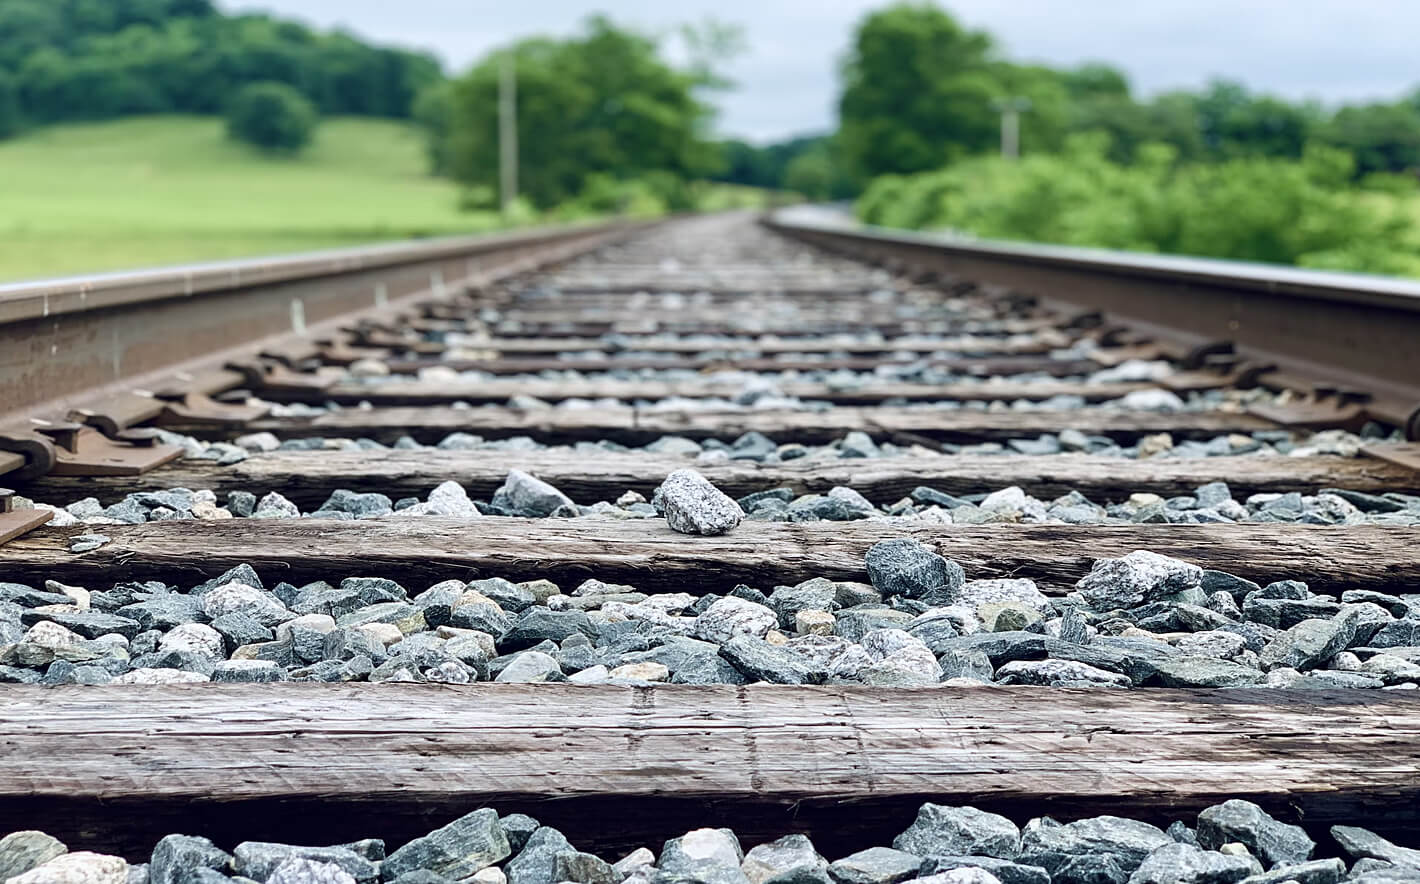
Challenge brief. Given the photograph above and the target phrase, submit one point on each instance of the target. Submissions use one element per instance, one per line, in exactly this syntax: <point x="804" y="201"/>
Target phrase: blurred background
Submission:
<point x="145" y="132"/>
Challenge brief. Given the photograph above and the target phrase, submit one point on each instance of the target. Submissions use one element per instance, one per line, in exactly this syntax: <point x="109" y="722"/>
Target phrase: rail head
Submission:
<point x="38" y="299"/>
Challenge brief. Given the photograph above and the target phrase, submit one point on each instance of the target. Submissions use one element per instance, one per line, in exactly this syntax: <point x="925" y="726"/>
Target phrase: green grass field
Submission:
<point x="165" y="190"/>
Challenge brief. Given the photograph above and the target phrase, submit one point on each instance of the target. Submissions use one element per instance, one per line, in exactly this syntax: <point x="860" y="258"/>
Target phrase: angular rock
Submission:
<point x="1360" y="843"/>
<point x="730" y="616"/>
<point x="1243" y="822"/>
<point x="906" y="567"/>
<point x="942" y="830"/>
<point x="876" y="865"/>
<point x="1104" y="846"/>
<point x="456" y="850"/>
<point x="175" y="857"/>
<point x="298" y="870"/>
<point x="1137" y="578"/>
<point x="1185" y="864"/>
<point x="761" y="661"/>
<point x="77" y="868"/>
<point x="788" y="855"/>
<point x="528" y="496"/>
<point x="1005" y="871"/>
<point x="258" y="860"/>
<point x="24" y="850"/>
<point x="692" y="505"/>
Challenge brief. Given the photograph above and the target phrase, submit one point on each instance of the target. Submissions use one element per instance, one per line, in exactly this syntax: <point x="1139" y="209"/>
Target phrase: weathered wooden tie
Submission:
<point x="646" y="553"/>
<point x="116" y="768"/>
<point x="632" y="425"/>
<point x="308" y="477"/>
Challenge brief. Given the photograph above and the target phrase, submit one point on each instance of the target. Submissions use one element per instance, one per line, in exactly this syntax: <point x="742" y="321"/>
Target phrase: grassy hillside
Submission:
<point x="163" y="190"/>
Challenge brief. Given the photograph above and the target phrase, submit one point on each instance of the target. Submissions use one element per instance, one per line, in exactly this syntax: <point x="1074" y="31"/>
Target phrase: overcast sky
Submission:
<point x="1332" y="50"/>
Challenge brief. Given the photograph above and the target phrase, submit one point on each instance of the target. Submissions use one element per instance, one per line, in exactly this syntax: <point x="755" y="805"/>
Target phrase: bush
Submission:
<point x="272" y="116"/>
<point x="1302" y="212"/>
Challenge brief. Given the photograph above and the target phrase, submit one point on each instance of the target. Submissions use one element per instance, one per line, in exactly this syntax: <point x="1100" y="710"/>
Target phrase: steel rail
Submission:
<point x="1351" y="332"/>
<point x="68" y="337"/>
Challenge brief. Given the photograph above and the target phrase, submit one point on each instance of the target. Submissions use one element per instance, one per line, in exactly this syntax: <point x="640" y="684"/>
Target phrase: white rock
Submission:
<point x="731" y="616"/>
<point x="198" y="638"/>
<point x="368" y="368"/>
<point x="490" y="875"/>
<point x="259" y="442"/>
<point x="322" y="623"/>
<point x="713" y="846"/>
<point x="384" y="633"/>
<point x="694" y="506"/>
<point x="643" y="671"/>
<point x="975" y="593"/>
<point x="81" y="867"/>
<point x="274" y="506"/>
<point x="597" y="674"/>
<point x="1013" y="500"/>
<point x="1150" y="400"/>
<point x="636" y="859"/>
<point x="239" y="598"/>
<point x="77" y="593"/>
<point x="528" y="667"/>
<point x="48" y="634"/>
<point x="159" y="676"/>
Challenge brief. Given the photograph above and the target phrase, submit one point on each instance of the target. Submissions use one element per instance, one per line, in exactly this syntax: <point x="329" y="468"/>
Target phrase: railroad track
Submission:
<point x="518" y="554"/>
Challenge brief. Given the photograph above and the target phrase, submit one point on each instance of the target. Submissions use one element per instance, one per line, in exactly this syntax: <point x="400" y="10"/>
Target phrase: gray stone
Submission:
<point x="963" y="875"/>
<point x="942" y="830"/>
<point x="22" y="851"/>
<point x="905" y="567"/>
<point x="1000" y="647"/>
<point x="1359" y="843"/>
<point x="876" y="865"/>
<point x="343" y="500"/>
<point x="1190" y="671"/>
<point x="582" y="868"/>
<point x="782" y="857"/>
<point x="249" y="672"/>
<point x="297" y="870"/>
<point x="518" y="827"/>
<point x="1137" y="578"/>
<point x="534" y="863"/>
<point x="817" y="594"/>
<point x="1185" y="864"/>
<point x="162" y="612"/>
<point x="241" y="598"/>
<point x="966" y="663"/>
<point x="239" y="629"/>
<point x="1321" y="871"/>
<point x="528" y="496"/>
<point x="176" y="856"/>
<point x="1310" y="643"/>
<point x="1284" y="613"/>
<point x="89" y="624"/>
<point x="258" y="859"/>
<point x="1085" y="850"/>
<point x="854" y="623"/>
<point x="1398" y="634"/>
<point x="692" y="505"/>
<point x="1269" y="839"/>
<point x="758" y="660"/>
<point x="456" y="851"/>
<point x="531" y="667"/>
<point x="540" y="624"/>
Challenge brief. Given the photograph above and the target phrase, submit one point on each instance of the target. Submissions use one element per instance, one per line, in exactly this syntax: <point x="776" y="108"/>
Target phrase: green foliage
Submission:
<point x="811" y="174"/>
<point x="1254" y="208"/>
<point x="917" y="92"/>
<point x="1383" y="137"/>
<point x="603" y="102"/>
<point x="96" y="59"/>
<point x="272" y="116"/>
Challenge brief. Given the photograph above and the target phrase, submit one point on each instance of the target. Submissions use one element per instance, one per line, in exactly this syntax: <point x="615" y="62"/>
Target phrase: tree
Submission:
<point x="9" y="106"/>
<point x="272" y="116"/>
<point x="811" y="174"/>
<point x="1382" y="137"/>
<point x="603" y="101"/>
<point x="917" y="92"/>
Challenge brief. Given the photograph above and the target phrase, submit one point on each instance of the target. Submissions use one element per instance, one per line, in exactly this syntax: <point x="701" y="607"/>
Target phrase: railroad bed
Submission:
<point x="696" y="552"/>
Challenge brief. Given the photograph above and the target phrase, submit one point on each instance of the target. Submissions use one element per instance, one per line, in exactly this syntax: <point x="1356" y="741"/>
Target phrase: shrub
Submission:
<point x="272" y="116"/>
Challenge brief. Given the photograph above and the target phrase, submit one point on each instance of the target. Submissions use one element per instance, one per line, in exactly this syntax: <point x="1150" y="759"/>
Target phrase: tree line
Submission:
<point x="919" y="91"/>
<point x="68" y="60"/>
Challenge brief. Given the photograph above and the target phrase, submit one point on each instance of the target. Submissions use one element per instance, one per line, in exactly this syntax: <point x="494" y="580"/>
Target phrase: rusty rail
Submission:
<point x="1354" y="338"/>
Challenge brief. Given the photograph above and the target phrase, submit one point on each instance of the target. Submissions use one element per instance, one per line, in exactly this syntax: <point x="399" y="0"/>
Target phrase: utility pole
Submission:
<point x="508" y="131"/>
<point x="1011" y="110"/>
